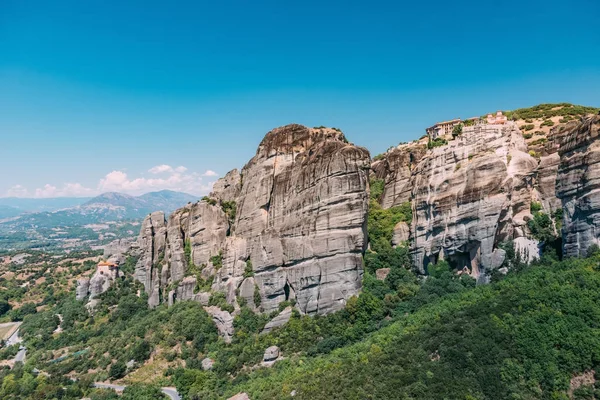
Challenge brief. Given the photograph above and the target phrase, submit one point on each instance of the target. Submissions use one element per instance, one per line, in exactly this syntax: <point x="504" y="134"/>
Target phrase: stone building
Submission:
<point x="442" y="129"/>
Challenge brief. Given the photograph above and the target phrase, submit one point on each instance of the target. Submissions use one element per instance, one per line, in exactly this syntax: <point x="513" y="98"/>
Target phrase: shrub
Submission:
<point x="547" y="123"/>
<point x="218" y="299"/>
<point x="535" y="207"/>
<point x="377" y="186"/>
<point x="457" y="130"/>
<point x="248" y="271"/>
<point x="527" y="127"/>
<point x="437" y="142"/>
<point x="209" y="200"/>
<point x="230" y="208"/>
<point x="217" y="261"/>
<point x="117" y="370"/>
<point x="257" y="296"/>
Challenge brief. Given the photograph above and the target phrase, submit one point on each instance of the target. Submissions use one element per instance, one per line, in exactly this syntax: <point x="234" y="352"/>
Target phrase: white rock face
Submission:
<point x="83" y="288"/>
<point x="396" y="169"/>
<point x="224" y="322"/>
<point x="578" y="187"/>
<point x="470" y="195"/>
<point x="300" y="220"/>
<point x="401" y="233"/>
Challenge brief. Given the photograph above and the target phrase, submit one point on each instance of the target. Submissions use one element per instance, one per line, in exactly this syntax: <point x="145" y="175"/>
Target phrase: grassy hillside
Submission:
<point x="525" y="337"/>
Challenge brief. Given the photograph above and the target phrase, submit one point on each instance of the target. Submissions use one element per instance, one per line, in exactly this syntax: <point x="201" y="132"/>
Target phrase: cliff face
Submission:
<point x="469" y="195"/>
<point x="396" y="169"/>
<point x="297" y="232"/>
<point x="578" y="185"/>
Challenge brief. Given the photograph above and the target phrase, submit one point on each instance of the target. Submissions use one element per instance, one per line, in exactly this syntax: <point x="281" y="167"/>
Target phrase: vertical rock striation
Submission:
<point x="296" y="230"/>
<point x="469" y="195"/>
<point x="396" y="168"/>
<point x="578" y="186"/>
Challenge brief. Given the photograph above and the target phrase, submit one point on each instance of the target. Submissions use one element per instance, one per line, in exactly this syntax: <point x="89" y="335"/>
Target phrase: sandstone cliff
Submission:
<point x="578" y="186"/>
<point x="470" y="195"/>
<point x="290" y="225"/>
<point x="467" y="196"/>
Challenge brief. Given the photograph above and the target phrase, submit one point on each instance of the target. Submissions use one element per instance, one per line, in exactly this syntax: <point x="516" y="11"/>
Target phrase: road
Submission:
<point x="171" y="392"/>
<point x="14" y="339"/>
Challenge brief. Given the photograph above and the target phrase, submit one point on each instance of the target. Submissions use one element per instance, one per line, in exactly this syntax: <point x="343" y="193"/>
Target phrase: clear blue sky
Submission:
<point x="91" y="87"/>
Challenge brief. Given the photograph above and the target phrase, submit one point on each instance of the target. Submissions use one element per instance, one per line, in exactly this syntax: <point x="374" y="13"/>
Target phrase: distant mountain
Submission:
<point x="138" y="206"/>
<point x="37" y="205"/>
<point x="9" y="212"/>
<point x="106" y="208"/>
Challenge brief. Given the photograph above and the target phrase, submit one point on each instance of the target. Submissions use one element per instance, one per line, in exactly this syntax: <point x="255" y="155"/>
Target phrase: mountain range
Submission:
<point x="28" y="223"/>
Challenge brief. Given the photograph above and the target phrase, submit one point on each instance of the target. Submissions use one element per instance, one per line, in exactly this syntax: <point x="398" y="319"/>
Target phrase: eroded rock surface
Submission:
<point x="299" y="224"/>
<point x="83" y="288"/>
<point x="224" y="322"/>
<point x="396" y="168"/>
<point x="578" y="186"/>
<point x="281" y="319"/>
<point x="471" y="194"/>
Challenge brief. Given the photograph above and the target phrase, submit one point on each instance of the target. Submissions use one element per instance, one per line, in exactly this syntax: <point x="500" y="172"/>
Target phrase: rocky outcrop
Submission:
<point x="281" y="319"/>
<point x="470" y="195"/>
<point x="152" y="244"/>
<point x="83" y="288"/>
<point x="295" y="215"/>
<point x="240" y="396"/>
<point x="116" y="250"/>
<point x="578" y="186"/>
<point x="271" y="354"/>
<point x="395" y="168"/>
<point x="223" y="320"/>
<point x="401" y="233"/>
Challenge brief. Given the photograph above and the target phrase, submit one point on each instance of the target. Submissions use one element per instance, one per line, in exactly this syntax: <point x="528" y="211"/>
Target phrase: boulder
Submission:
<point x="271" y="354"/>
<point x="207" y="364"/>
<point x="99" y="284"/>
<point x="469" y="195"/>
<point x="281" y="319"/>
<point x="240" y="396"/>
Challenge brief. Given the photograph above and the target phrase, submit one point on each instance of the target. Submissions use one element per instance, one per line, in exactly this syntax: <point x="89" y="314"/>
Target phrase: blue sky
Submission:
<point x="95" y="95"/>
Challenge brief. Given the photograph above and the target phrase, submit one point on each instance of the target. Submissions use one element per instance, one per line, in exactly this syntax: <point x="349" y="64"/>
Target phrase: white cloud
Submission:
<point x="17" y="191"/>
<point x="67" y="190"/>
<point x="160" y="169"/>
<point x="178" y="179"/>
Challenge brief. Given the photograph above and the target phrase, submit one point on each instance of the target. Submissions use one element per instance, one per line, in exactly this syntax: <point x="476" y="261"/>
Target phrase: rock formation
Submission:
<point x="395" y="168"/>
<point x="291" y="224"/>
<point x="467" y="196"/>
<point x="281" y="319"/>
<point x="578" y="186"/>
<point x="83" y="288"/>
<point x="223" y="320"/>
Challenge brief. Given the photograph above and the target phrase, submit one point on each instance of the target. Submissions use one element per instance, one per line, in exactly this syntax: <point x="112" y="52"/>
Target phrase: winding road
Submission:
<point x="14" y="339"/>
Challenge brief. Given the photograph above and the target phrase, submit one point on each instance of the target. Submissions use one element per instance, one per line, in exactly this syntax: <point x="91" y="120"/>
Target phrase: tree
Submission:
<point x="4" y="307"/>
<point x="117" y="370"/>
<point x="139" y="391"/>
